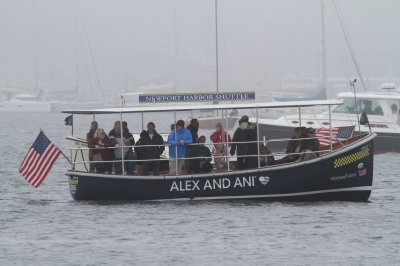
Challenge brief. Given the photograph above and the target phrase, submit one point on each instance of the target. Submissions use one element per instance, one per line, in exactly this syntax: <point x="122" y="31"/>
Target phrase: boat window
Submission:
<point x="325" y="123"/>
<point x="310" y="122"/>
<point x="295" y="122"/>
<point x="394" y="106"/>
<point x="346" y="108"/>
<point x="370" y="106"/>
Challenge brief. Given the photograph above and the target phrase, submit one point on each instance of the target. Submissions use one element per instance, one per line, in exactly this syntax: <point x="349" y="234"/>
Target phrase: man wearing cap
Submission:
<point x="178" y="140"/>
<point x="151" y="154"/>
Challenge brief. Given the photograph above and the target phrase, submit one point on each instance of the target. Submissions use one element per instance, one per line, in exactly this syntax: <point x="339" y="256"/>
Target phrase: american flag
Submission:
<point x="338" y="133"/>
<point x="39" y="160"/>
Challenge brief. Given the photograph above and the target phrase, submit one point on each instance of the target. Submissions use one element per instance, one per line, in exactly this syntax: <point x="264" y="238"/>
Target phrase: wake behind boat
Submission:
<point x="342" y="171"/>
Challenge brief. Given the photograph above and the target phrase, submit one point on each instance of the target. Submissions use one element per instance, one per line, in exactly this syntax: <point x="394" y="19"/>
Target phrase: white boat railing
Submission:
<point x="80" y="158"/>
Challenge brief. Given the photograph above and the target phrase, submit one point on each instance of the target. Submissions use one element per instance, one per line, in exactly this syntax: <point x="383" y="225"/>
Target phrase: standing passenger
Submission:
<point x="99" y="144"/>
<point x="153" y="153"/>
<point x="247" y="134"/>
<point x="219" y="138"/>
<point x="178" y="141"/>
<point x="121" y="149"/>
<point x="89" y="138"/>
<point x="193" y="128"/>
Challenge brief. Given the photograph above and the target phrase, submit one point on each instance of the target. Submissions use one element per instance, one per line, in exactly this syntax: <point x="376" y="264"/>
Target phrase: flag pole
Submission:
<point x="65" y="156"/>
<point x="352" y="84"/>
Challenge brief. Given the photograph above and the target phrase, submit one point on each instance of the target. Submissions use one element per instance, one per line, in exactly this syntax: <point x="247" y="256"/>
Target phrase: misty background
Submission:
<point x="89" y="48"/>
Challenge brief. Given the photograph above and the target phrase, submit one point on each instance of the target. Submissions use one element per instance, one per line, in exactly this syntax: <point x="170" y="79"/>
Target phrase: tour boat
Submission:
<point x="342" y="172"/>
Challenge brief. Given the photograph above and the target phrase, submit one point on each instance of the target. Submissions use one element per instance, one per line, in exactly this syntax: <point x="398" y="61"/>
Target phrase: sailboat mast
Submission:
<point x="323" y="48"/>
<point x="216" y="45"/>
<point x="75" y="45"/>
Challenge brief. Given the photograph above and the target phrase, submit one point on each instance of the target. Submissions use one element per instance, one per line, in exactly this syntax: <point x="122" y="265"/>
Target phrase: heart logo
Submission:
<point x="263" y="180"/>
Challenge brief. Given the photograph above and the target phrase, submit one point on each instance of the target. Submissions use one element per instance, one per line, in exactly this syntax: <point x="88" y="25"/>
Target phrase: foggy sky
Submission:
<point x="58" y="44"/>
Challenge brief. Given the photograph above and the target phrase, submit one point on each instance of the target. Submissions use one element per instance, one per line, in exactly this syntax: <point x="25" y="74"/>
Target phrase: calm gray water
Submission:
<point x="45" y="226"/>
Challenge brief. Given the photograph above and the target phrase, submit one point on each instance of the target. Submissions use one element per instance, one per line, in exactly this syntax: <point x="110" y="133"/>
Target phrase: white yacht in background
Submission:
<point x="384" y="118"/>
<point x="26" y="102"/>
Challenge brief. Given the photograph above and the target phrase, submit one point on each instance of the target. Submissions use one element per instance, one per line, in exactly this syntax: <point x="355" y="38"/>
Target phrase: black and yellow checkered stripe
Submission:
<point x="349" y="159"/>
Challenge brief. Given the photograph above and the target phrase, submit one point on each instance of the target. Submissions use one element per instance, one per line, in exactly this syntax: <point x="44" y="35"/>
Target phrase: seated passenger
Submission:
<point x="121" y="151"/>
<point x="310" y="146"/>
<point x="202" y="164"/>
<point x="295" y="145"/>
<point x="152" y="153"/>
<point x="99" y="145"/>
<point x="266" y="157"/>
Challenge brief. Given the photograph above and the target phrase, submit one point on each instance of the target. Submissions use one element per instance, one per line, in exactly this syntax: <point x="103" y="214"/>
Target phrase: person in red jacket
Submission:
<point x="220" y="138"/>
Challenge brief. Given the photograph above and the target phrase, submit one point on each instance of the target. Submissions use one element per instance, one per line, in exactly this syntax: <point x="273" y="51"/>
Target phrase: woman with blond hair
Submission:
<point x="100" y="146"/>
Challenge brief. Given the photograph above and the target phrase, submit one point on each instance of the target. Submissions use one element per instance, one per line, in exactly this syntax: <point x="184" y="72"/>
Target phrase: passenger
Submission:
<point x="246" y="133"/>
<point x="294" y="147"/>
<point x="202" y="164"/>
<point x="310" y="146"/>
<point x="178" y="141"/>
<point x="89" y="138"/>
<point x="127" y="139"/>
<point x="99" y="144"/>
<point x="266" y="157"/>
<point x="172" y="127"/>
<point x="92" y="130"/>
<point x="193" y="128"/>
<point x="127" y="133"/>
<point x="152" y="153"/>
<point x="219" y="138"/>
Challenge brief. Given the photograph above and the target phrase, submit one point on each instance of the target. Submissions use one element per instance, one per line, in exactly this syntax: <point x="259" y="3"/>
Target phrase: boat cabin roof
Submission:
<point x="190" y="107"/>
<point x="371" y="95"/>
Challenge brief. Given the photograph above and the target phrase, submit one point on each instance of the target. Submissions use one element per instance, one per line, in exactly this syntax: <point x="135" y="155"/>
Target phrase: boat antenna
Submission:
<point x="216" y="45"/>
<point x="352" y="84"/>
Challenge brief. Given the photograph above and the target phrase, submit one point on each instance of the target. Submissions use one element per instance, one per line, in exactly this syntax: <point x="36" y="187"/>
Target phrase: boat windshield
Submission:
<point x="371" y="106"/>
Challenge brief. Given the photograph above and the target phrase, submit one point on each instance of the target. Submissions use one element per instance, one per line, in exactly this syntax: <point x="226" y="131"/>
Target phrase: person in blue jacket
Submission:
<point x="178" y="140"/>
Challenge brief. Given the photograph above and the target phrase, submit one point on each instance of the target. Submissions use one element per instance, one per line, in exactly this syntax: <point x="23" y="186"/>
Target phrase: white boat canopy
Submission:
<point x="188" y="107"/>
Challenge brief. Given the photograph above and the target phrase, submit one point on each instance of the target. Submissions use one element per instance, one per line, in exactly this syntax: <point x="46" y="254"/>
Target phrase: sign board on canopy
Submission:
<point x="197" y="97"/>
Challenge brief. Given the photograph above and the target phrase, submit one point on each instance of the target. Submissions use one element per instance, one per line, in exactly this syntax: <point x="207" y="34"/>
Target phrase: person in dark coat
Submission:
<point x="151" y="153"/>
<point x="90" y="138"/>
<point x="193" y="127"/>
<point x="246" y="132"/>
<point x="296" y="145"/>
<point x="203" y="163"/>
